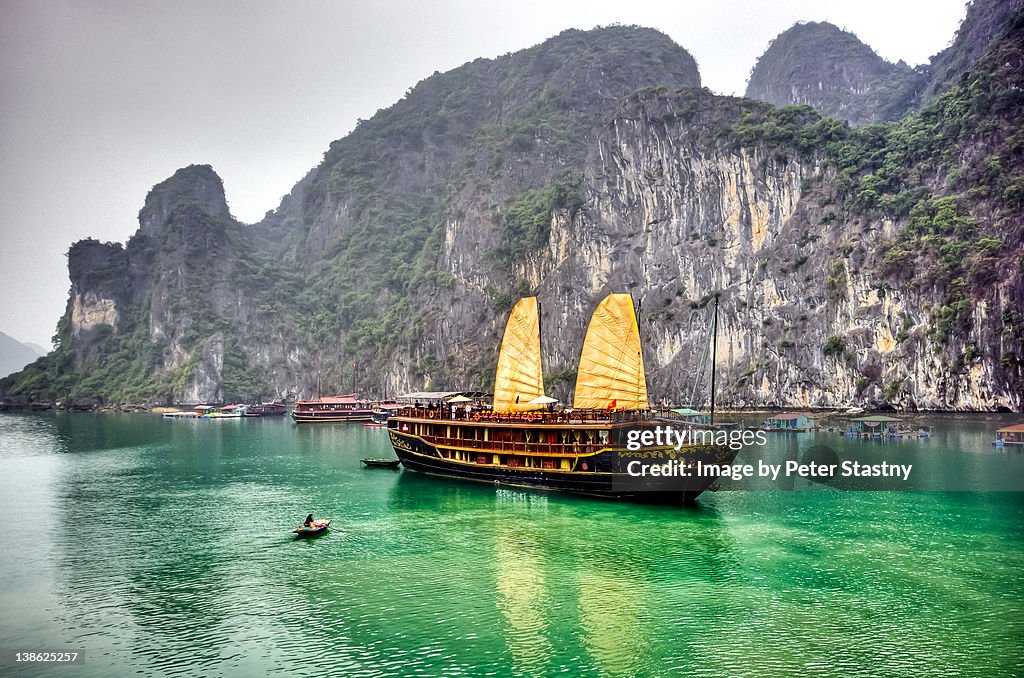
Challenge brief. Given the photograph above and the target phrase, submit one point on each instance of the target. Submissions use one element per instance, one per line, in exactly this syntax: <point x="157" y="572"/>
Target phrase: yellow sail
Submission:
<point x="519" y="378"/>
<point x="611" y="372"/>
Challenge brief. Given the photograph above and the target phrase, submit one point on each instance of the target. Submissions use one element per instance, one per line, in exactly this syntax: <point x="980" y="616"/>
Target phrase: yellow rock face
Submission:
<point x="89" y="311"/>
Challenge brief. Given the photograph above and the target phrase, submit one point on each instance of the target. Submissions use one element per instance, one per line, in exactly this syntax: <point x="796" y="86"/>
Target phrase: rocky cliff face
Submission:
<point x="176" y="313"/>
<point x="679" y="214"/>
<point x="820" y="65"/>
<point x="852" y="267"/>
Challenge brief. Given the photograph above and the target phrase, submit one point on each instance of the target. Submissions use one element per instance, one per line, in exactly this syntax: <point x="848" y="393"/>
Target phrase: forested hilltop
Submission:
<point x="821" y="65"/>
<point x="868" y="265"/>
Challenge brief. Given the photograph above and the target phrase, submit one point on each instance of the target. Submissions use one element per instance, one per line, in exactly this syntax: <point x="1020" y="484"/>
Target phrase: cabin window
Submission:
<point x="482" y="459"/>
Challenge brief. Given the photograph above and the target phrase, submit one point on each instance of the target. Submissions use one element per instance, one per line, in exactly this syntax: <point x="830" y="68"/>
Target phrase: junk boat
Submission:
<point x="521" y="442"/>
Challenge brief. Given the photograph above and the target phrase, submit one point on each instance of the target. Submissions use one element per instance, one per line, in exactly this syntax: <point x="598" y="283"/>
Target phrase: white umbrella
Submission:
<point x="460" y="399"/>
<point x="543" y="400"/>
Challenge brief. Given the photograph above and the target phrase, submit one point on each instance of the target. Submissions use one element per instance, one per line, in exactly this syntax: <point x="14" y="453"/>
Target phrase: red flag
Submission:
<point x="612" y="405"/>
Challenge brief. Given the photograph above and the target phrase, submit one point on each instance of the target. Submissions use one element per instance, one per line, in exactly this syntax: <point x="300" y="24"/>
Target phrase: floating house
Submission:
<point x="1010" y="435"/>
<point x="692" y="416"/>
<point x="874" y="426"/>
<point x="791" y="422"/>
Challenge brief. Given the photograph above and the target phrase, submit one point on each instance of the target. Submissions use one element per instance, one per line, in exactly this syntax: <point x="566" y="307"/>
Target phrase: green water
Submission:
<point x="162" y="548"/>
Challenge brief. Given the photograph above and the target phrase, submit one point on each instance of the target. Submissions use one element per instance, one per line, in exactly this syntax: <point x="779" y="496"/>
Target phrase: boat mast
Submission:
<point x="540" y="336"/>
<point x="640" y="363"/>
<point x="714" y="355"/>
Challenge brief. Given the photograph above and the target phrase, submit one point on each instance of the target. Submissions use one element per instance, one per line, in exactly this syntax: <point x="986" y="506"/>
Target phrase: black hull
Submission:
<point x="420" y="456"/>
<point x="381" y="463"/>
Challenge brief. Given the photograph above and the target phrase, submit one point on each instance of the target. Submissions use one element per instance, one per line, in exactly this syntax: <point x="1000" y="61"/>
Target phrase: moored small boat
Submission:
<point x="381" y="463"/>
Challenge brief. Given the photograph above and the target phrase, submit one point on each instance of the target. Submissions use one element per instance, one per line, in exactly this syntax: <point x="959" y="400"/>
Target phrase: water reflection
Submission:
<point x="520" y="581"/>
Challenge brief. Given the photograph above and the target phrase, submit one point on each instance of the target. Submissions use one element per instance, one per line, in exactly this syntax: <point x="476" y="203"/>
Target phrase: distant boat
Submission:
<point x="333" y="409"/>
<point x="179" y="415"/>
<point x="518" y="442"/>
<point x="382" y="463"/>
<point x="218" y="412"/>
<point x="221" y="414"/>
<point x="265" y="410"/>
<point x="379" y="416"/>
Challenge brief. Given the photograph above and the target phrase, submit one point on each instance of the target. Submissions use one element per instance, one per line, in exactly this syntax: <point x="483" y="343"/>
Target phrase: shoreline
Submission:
<point x="91" y="405"/>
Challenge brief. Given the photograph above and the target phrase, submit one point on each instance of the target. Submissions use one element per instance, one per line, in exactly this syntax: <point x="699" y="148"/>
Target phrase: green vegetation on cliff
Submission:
<point x="952" y="172"/>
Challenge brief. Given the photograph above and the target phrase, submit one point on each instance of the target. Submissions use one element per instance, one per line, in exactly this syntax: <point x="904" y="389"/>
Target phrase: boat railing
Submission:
<point x="516" y="447"/>
<point x="566" y="417"/>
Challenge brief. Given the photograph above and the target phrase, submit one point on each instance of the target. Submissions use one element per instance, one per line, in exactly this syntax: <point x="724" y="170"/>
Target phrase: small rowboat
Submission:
<point x="381" y="463"/>
<point x="317" y="527"/>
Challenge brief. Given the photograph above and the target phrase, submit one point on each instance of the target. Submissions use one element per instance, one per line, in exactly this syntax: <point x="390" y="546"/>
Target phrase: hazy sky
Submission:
<point x="100" y="100"/>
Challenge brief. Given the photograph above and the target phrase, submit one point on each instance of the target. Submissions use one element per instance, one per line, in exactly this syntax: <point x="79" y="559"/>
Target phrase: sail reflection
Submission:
<point x="523" y="597"/>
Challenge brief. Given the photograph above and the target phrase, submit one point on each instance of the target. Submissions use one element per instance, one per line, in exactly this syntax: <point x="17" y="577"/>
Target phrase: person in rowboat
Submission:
<point x="309" y="521"/>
